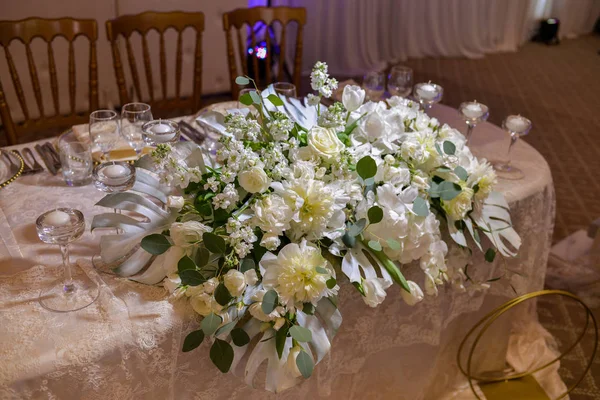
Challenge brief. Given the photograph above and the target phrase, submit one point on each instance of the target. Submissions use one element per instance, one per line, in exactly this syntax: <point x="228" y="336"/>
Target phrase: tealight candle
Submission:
<point x="57" y="218"/>
<point x="516" y="123"/>
<point x="427" y="91"/>
<point x="473" y="110"/>
<point x="115" y="171"/>
<point x="161" y="128"/>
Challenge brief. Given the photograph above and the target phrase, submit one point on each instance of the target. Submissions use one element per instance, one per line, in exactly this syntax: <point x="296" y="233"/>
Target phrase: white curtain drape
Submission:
<point x="359" y="35"/>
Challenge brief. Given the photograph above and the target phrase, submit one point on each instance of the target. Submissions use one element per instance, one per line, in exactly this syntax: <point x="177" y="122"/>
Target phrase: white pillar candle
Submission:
<point x="427" y="91"/>
<point x="473" y="110"/>
<point x="115" y="171"/>
<point x="516" y="123"/>
<point x="57" y="218"/>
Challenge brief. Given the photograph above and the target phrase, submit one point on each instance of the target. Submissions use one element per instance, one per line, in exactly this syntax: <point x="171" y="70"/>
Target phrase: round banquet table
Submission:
<point x="127" y="345"/>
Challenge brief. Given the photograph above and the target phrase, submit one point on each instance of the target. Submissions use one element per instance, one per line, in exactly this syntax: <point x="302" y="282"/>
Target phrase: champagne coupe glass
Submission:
<point x="473" y="113"/>
<point x="428" y="94"/>
<point x="285" y="89"/>
<point x="516" y="126"/>
<point x="400" y="81"/>
<point x="133" y="116"/>
<point x="104" y="130"/>
<point x="112" y="177"/>
<point x="373" y="83"/>
<point x="63" y="226"/>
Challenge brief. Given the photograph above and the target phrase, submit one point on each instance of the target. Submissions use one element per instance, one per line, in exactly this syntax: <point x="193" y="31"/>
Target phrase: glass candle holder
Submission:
<point x="400" y="81"/>
<point x="63" y="226"/>
<point x="160" y="131"/>
<point x="114" y="176"/>
<point x="428" y="94"/>
<point x="285" y="89"/>
<point x="516" y="126"/>
<point x="374" y="85"/>
<point x="473" y="113"/>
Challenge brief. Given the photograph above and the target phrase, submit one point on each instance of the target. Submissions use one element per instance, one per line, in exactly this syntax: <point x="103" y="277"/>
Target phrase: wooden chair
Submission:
<point x="159" y="21"/>
<point x="47" y="29"/>
<point x="268" y="15"/>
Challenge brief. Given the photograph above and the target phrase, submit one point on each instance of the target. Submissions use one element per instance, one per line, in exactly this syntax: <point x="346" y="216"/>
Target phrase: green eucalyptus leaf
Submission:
<point x="366" y="167"/>
<point x="211" y="323"/>
<point x="242" y="80"/>
<point x="300" y="333"/>
<point x="357" y="228"/>
<point x="269" y="302"/>
<point x="202" y="256"/>
<point x="255" y="97"/>
<point x="331" y="282"/>
<point x="449" y="148"/>
<point x="490" y="255"/>
<point x="185" y="263"/>
<point x="225" y="328"/>
<point x="322" y="270"/>
<point x="448" y="190"/>
<point x="349" y="241"/>
<point x="222" y="295"/>
<point x="434" y="190"/>
<point x="193" y="340"/>
<point x="275" y="100"/>
<point x="439" y="149"/>
<point x="375" y="245"/>
<point x="221" y="354"/>
<point x="308" y="308"/>
<point x="155" y="244"/>
<point x="443" y="169"/>
<point x="240" y="337"/>
<point x="375" y="214"/>
<point x="246" y="99"/>
<point x="304" y="364"/>
<point x="462" y="173"/>
<point x="214" y="244"/>
<point x="191" y="277"/>
<point x="247" y="265"/>
<point x="420" y="207"/>
<point x="393" y="244"/>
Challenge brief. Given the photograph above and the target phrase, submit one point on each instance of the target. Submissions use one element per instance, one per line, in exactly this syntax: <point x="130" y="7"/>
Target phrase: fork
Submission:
<point x="36" y="167"/>
<point x="26" y="168"/>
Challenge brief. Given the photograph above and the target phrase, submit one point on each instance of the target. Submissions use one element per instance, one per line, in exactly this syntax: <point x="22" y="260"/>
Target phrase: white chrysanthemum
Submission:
<point x="458" y="207"/>
<point x="293" y="274"/>
<point x="272" y="214"/>
<point x="484" y="177"/>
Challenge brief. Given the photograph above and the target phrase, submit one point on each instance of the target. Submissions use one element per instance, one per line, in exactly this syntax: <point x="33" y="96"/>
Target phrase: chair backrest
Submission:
<point x="160" y="22"/>
<point x="47" y="29"/>
<point x="267" y="15"/>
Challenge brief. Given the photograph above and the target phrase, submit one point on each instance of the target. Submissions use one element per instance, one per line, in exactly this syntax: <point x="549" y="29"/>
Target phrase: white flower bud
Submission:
<point x="374" y="291"/>
<point x="251" y="277"/>
<point x="415" y="295"/>
<point x="188" y="233"/>
<point x="270" y="242"/>
<point x="175" y="202"/>
<point x="234" y="282"/>
<point x="353" y="97"/>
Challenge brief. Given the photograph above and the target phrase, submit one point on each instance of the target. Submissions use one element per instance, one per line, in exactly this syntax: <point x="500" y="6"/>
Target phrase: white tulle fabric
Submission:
<point x="127" y="345"/>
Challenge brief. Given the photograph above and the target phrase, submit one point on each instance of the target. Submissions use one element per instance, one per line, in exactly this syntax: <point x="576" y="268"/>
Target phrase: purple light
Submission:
<point x="250" y="50"/>
<point x="261" y="52"/>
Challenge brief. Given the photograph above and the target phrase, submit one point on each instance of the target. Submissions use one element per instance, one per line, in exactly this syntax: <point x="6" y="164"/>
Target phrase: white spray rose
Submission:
<point x="251" y="277"/>
<point x="202" y="304"/>
<point x="188" y="233"/>
<point x="254" y="180"/>
<point x="353" y="97"/>
<point x="374" y="291"/>
<point x="210" y="285"/>
<point x="415" y="295"/>
<point x="270" y="242"/>
<point x="458" y="207"/>
<point x="175" y="202"/>
<point x="234" y="282"/>
<point x="325" y="143"/>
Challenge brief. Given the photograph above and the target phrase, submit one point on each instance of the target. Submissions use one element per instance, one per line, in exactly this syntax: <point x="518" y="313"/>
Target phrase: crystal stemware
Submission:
<point x="63" y="226"/>
<point x="374" y="85"/>
<point x="400" y="81"/>
<point x="133" y="116"/>
<point x="160" y="131"/>
<point x="516" y="126"/>
<point x="428" y="94"/>
<point x="285" y="89"/>
<point x="473" y="113"/>
<point x="104" y="130"/>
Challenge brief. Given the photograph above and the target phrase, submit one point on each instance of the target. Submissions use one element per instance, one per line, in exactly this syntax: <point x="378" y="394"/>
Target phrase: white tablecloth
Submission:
<point x="127" y="345"/>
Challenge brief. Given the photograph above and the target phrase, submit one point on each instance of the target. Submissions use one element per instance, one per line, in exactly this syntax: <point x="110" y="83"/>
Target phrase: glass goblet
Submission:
<point x="243" y="92"/>
<point x="516" y="126"/>
<point x="63" y="226"/>
<point x="374" y="85"/>
<point x="473" y="113"/>
<point x="285" y="89"/>
<point x="104" y="130"/>
<point x="400" y="81"/>
<point x="133" y="116"/>
<point x="428" y="94"/>
<point x="160" y="131"/>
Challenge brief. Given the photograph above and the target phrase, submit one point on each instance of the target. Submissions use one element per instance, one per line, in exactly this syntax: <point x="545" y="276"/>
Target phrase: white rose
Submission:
<point x="175" y="202"/>
<point x="188" y="233"/>
<point x="234" y="282"/>
<point x="458" y="207"/>
<point x="353" y="97"/>
<point x="202" y="304"/>
<point x="415" y="295"/>
<point x="270" y="242"/>
<point x="324" y="142"/>
<point x="254" y="180"/>
<point x="374" y="291"/>
<point x="210" y="285"/>
<point x="290" y="365"/>
<point x="250" y="277"/>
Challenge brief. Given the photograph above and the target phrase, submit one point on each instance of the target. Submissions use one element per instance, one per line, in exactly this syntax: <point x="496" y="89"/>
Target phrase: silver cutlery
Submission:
<point x="26" y="168"/>
<point x="54" y="155"/>
<point x="35" y="166"/>
<point x="46" y="157"/>
<point x="194" y="134"/>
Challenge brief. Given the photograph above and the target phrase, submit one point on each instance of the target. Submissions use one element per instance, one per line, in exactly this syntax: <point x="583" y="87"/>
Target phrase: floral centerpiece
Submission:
<point x="298" y="198"/>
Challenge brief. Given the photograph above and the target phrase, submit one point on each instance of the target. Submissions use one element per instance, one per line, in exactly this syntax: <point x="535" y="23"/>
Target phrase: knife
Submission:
<point x="47" y="158"/>
<point x="54" y="155"/>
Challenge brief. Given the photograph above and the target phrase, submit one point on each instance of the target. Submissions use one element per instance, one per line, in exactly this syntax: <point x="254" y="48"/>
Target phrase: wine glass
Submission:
<point x="516" y="126"/>
<point x="473" y="113"/>
<point x="285" y="89"/>
<point x="112" y="177"/>
<point x="428" y="94"/>
<point x="400" y="81"/>
<point x="373" y="83"/>
<point x="104" y="130"/>
<point x="133" y="116"/>
<point x="63" y="226"/>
